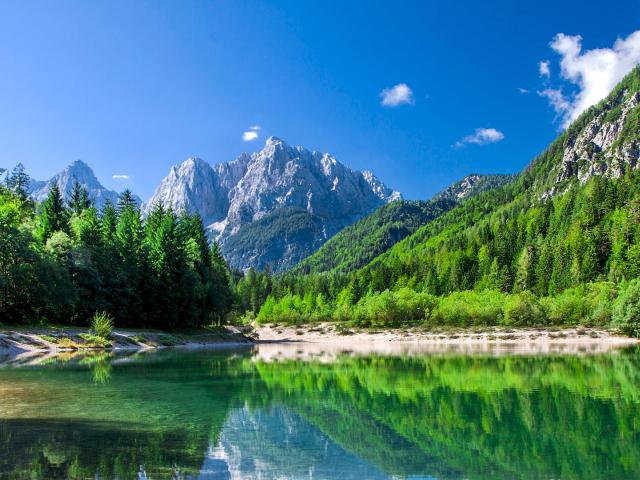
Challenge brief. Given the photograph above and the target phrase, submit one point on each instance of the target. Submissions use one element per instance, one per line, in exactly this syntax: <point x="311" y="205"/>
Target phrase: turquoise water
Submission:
<point x="239" y="414"/>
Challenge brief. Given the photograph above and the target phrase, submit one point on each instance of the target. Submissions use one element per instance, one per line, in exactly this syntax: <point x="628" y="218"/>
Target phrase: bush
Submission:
<point x="586" y="304"/>
<point x="626" y="310"/>
<point x="102" y="324"/>
<point x="392" y="308"/>
<point x="462" y="309"/>
<point x="523" y="309"/>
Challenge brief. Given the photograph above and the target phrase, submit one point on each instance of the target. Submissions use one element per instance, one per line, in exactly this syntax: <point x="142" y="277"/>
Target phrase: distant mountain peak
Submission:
<point x="230" y="195"/>
<point x="78" y="171"/>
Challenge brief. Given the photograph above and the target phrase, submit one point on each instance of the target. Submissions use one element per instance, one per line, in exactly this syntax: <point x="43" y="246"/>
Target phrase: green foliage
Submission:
<point x="523" y="309"/>
<point x="626" y="312"/>
<point x="53" y="215"/>
<point x="61" y="265"/>
<point x="79" y="198"/>
<point x="358" y="244"/>
<point x="552" y="259"/>
<point x="467" y="308"/>
<point x="102" y="324"/>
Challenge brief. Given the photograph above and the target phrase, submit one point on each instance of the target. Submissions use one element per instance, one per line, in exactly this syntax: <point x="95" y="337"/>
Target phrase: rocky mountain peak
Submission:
<point x="80" y="172"/>
<point x="231" y="195"/>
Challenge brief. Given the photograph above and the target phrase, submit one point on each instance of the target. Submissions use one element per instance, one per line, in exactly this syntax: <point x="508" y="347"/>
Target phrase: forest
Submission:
<point x="514" y="255"/>
<point x="541" y="249"/>
<point x="61" y="263"/>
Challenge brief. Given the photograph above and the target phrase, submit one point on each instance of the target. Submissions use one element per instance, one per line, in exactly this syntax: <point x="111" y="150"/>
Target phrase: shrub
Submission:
<point x="102" y="324"/>
<point x="467" y="308"/>
<point x="523" y="309"/>
<point x="591" y="303"/>
<point x="626" y="310"/>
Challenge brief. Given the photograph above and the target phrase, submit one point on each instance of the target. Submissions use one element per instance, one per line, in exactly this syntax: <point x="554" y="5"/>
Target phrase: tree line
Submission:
<point x="61" y="262"/>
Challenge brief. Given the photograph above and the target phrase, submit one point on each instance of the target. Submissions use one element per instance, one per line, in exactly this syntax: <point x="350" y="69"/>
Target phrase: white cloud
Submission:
<point x="543" y="69"/>
<point x="399" y="94"/>
<point x="120" y="177"/>
<point x="523" y="90"/>
<point x="252" y="133"/>
<point x="557" y="100"/>
<point x="482" y="136"/>
<point x="594" y="72"/>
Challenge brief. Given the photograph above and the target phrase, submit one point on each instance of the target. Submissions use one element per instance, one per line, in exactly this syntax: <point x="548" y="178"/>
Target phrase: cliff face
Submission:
<point x="231" y="196"/>
<point x="607" y="144"/>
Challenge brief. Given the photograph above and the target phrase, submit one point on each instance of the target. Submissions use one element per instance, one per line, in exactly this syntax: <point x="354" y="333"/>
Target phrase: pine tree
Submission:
<point x="79" y="198"/>
<point x="53" y="216"/>
<point x="126" y="200"/>
<point x="18" y="182"/>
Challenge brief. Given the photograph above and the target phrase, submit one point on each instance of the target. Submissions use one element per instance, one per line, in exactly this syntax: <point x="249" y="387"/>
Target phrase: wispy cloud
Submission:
<point x="543" y="69"/>
<point x="482" y="136"/>
<point x="252" y="133"/>
<point x="593" y="72"/>
<point x="120" y="177"/>
<point x="397" y="95"/>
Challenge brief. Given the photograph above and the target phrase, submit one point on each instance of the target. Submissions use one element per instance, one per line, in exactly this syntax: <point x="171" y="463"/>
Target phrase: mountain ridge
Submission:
<point x="358" y="244"/>
<point x="230" y="196"/>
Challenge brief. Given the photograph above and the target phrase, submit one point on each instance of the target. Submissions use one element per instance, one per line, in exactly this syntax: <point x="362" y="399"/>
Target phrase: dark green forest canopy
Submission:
<point x="358" y="244"/>
<point x="62" y="263"/>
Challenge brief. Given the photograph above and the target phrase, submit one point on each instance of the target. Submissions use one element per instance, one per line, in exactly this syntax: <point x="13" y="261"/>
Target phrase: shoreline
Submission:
<point x="318" y="339"/>
<point x="15" y="341"/>
<point x="332" y="337"/>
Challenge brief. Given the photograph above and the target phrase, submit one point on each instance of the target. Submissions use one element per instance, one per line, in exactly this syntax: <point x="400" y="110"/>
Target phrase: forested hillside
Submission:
<point x="63" y="262"/>
<point x="569" y="220"/>
<point x="356" y="245"/>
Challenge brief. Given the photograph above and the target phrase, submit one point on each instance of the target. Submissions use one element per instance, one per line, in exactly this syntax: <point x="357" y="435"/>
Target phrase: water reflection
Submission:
<point x="256" y="414"/>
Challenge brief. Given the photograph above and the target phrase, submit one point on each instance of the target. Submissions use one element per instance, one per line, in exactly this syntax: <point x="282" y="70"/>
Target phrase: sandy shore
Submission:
<point x="329" y="338"/>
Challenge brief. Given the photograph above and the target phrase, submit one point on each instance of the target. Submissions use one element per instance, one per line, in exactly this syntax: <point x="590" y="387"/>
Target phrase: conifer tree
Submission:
<point x="79" y="198"/>
<point x="18" y="182"/>
<point x="53" y="215"/>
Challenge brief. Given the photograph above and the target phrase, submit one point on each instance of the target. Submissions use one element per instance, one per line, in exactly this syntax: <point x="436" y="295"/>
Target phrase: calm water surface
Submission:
<point x="240" y="414"/>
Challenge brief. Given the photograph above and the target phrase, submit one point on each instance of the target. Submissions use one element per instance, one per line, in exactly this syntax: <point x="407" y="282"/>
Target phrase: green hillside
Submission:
<point x="570" y="219"/>
<point x="357" y="245"/>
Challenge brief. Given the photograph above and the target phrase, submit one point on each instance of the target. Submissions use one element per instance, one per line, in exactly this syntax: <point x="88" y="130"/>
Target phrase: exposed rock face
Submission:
<point x="278" y="443"/>
<point x="80" y="172"/>
<point x="598" y="148"/>
<point x="473" y="184"/>
<point x="232" y="195"/>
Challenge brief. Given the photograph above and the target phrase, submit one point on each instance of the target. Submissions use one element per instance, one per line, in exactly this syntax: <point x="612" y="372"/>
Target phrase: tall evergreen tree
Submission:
<point x="126" y="200"/>
<point x="18" y="182"/>
<point x="53" y="215"/>
<point x="79" y="198"/>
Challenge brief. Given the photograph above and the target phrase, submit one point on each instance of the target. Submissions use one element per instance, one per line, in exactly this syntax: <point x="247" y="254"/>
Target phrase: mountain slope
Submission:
<point x="358" y="244"/>
<point x="570" y="218"/>
<point x="78" y="171"/>
<point x="567" y="229"/>
<point x="230" y="196"/>
<point x="278" y="240"/>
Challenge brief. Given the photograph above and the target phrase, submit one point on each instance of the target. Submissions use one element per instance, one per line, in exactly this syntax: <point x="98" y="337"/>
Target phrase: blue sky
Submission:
<point x="133" y="87"/>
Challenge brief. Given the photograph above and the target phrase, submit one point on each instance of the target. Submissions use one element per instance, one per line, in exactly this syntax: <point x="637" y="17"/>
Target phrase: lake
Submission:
<point x="283" y="414"/>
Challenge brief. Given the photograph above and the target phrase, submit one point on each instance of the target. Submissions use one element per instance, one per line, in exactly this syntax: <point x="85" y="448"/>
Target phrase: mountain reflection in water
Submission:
<point x="251" y="415"/>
